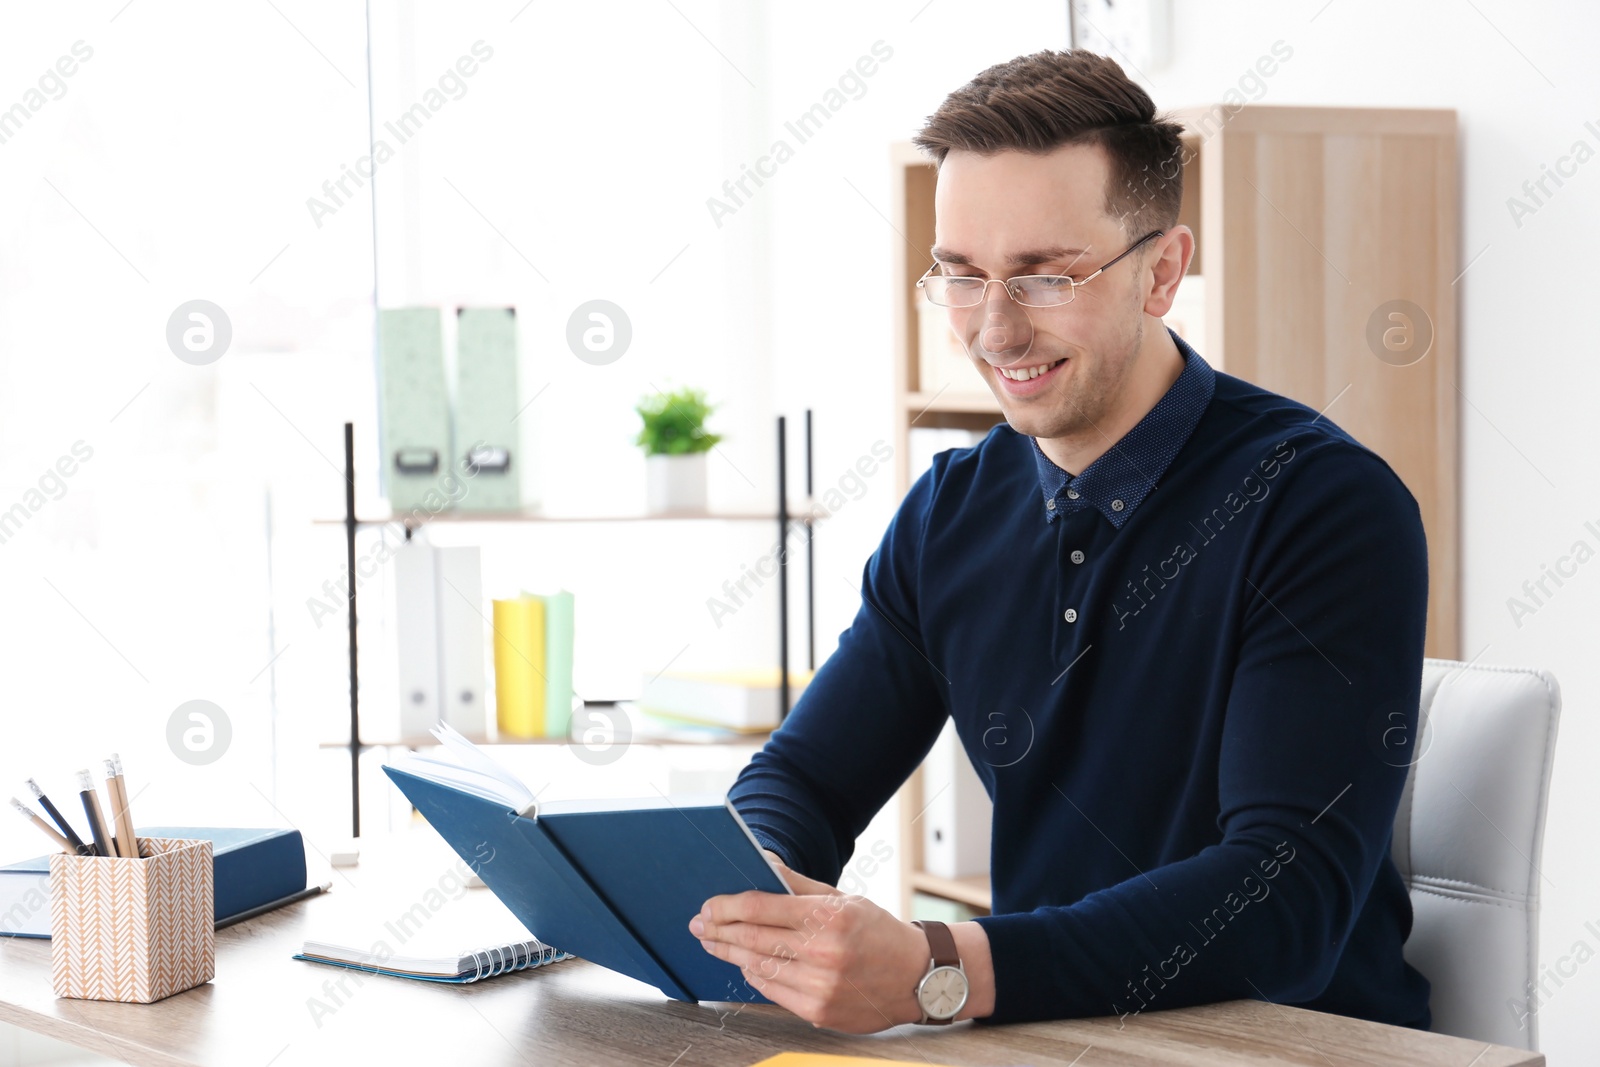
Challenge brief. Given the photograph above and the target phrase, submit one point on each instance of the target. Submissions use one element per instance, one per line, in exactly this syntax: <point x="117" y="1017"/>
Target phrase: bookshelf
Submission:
<point x="783" y="515"/>
<point x="1308" y="222"/>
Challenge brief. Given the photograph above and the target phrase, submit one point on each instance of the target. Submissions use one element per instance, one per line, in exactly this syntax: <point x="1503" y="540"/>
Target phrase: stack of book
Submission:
<point x="741" y="701"/>
<point x="533" y="665"/>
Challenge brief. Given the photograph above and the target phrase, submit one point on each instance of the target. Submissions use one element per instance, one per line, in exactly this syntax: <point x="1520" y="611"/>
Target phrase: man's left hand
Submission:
<point x="834" y="959"/>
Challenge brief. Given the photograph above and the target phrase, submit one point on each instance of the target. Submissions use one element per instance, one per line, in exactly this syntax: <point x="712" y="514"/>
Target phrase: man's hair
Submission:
<point x="1039" y="102"/>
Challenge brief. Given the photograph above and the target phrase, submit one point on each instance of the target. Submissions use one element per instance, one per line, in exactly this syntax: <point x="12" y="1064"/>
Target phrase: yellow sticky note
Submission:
<point x="819" y="1059"/>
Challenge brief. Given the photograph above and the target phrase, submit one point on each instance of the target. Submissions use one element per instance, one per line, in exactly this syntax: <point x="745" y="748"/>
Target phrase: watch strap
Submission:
<point x="941" y="943"/>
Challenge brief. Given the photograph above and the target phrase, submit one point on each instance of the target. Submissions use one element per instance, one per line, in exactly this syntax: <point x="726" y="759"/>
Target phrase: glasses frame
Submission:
<point x="1008" y="283"/>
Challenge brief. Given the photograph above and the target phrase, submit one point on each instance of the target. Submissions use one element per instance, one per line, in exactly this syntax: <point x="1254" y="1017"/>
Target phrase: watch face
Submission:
<point x="943" y="992"/>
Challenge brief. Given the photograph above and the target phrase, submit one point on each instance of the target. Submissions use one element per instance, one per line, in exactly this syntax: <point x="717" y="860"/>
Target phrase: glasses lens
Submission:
<point x="953" y="292"/>
<point x="1042" y="290"/>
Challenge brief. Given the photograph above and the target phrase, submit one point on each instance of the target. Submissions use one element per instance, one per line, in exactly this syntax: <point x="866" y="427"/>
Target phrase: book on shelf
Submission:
<point x="746" y="701"/>
<point x="533" y="650"/>
<point x="519" y="675"/>
<point x="614" y="882"/>
<point x="558" y="649"/>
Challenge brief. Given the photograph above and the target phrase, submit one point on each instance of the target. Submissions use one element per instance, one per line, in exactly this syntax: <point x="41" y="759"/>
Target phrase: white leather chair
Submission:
<point x="1468" y="839"/>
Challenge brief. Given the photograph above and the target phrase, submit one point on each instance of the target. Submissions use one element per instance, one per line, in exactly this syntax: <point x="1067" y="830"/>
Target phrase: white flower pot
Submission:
<point x="676" y="483"/>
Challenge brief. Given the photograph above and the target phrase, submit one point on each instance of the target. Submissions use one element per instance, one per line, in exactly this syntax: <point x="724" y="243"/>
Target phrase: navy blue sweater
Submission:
<point x="1181" y="676"/>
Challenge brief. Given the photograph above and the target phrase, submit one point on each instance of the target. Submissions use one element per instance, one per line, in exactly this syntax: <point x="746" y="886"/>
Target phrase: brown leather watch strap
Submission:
<point x="940" y="942"/>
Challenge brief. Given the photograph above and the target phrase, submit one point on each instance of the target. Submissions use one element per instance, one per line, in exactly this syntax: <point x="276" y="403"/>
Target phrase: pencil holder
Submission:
<point x="132" y="930"/>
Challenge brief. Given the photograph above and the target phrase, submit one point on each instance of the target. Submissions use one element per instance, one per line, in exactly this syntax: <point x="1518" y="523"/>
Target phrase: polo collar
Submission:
<point x="1118" y="482"/>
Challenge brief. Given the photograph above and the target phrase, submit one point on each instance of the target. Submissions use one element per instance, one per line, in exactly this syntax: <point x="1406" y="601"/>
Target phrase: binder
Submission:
<point x="519" y="674"/>
<point x="416" y="607"/>
<point x="488" y="445"/>
<point x="414" y="410"/>
<point x="459" y="597"/>
<point x="958" y="813"/>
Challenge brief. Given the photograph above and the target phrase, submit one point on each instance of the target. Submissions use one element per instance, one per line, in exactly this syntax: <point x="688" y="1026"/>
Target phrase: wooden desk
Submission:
<point x="259" y="1010"/>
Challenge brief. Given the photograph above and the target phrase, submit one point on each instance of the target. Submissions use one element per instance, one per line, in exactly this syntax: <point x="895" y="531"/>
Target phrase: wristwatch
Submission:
<point x="942" y="993"/>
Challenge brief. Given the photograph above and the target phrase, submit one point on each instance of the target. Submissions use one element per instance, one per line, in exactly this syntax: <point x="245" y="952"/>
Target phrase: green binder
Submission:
<point x="414" y="411"/>
<point x="488" y="445"/>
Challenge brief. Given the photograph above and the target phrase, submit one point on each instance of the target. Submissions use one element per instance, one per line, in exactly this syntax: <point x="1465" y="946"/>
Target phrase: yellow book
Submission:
<point x="519" y="674"/>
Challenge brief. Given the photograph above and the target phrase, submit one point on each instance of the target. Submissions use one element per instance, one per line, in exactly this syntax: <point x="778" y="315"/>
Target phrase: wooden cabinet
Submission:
<point x="1326" y="263"/>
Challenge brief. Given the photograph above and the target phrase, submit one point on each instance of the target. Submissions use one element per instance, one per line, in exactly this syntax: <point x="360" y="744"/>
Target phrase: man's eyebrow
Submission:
<point x="1016" y="259"/>
<point x="1046" y="255"/>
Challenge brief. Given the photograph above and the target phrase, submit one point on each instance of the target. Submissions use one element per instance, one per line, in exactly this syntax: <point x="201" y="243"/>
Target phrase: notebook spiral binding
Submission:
<point x="500" y="959"/>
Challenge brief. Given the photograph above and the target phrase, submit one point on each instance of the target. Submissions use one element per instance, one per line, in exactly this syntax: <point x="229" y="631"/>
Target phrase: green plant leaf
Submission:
<point x="674" y="423"/>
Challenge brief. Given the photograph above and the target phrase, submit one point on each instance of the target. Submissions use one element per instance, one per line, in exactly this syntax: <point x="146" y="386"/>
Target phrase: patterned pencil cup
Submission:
<point x="133" y="930"/>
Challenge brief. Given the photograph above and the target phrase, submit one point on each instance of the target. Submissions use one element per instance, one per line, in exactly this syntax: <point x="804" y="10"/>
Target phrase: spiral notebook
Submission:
<point x="453" y="965"/>
<point x="450" y="933"/>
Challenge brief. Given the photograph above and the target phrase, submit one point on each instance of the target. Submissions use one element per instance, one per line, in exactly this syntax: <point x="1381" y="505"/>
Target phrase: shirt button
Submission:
<point x="1077" y="556"/>
<point x="1071" y="615"/>
<point x="1072" y="494"/>
<point x="1049" y="505"/>
<point x="1117" y="505"/>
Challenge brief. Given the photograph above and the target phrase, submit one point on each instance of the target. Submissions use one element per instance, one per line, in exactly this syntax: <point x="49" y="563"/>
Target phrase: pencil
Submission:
<point x="59" y="819"/>
<point x="66" y="846"/>
<point x="91" y="808"/>
<point x="262" y="909"/>
<point x="121" y="820"/>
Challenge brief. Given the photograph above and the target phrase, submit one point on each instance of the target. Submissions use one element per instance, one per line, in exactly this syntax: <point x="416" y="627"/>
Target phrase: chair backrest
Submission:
<point x="1468" y="839"/>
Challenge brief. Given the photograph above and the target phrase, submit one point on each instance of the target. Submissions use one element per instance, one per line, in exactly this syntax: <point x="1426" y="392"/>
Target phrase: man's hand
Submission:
<point x="835" y="960"/>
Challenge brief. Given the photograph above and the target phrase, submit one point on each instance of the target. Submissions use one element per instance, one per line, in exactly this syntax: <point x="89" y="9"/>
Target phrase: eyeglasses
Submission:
<point x="1029" y="290"/>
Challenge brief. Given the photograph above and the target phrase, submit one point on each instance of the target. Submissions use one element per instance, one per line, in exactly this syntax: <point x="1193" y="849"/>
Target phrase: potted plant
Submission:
<point x="675" y="442"/>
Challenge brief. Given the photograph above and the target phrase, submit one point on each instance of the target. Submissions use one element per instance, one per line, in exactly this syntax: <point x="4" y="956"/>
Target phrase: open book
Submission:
<point x="614" y="882"/>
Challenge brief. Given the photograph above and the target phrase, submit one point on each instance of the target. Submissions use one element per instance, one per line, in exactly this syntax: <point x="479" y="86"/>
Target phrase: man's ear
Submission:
<point x="1168" y="263"/>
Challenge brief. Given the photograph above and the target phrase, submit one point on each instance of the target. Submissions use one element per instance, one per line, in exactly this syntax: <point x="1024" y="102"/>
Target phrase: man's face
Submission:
<point x="1014" y="213"/>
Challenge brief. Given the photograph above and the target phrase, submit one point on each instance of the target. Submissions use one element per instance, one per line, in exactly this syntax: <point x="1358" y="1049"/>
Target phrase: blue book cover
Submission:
<point x="250" y="867"/>
<point x="613" y="883"/>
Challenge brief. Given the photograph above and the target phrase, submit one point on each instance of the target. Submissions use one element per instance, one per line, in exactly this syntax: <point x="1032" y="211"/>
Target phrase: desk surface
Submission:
<point x="265" y="1008"/>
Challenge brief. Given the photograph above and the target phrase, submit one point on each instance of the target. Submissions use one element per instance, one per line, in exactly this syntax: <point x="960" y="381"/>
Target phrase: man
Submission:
<point x="1171" y="613"/>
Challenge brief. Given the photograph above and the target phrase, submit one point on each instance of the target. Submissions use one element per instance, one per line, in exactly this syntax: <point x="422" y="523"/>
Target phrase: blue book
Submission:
<point x="613" y="882"/>
<point x="251" y="867"/>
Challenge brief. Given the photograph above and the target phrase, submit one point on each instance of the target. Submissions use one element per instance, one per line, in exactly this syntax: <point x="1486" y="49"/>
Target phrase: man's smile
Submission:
<point x="1028" y="380"/>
